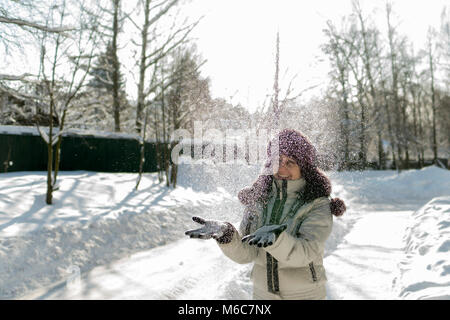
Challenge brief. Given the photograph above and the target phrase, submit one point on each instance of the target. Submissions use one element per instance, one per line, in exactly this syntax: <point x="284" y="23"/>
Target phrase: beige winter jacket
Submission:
<point x="298" y="250"/>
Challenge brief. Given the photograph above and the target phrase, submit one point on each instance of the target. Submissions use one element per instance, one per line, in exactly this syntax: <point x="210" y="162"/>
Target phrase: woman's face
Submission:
<point x="288" y="169"/>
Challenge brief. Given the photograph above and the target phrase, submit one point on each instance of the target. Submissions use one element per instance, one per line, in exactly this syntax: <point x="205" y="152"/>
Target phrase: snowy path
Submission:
<point x="364" y="264"/>
<point x="185" y="269"/>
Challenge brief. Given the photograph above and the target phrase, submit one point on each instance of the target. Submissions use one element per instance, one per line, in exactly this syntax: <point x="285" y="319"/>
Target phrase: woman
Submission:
<point x="288" y="218"/>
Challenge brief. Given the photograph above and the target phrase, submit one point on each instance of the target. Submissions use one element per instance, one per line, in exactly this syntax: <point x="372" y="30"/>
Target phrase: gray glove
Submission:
<point x="265" y="236"/>
<point x="218" y="230"/>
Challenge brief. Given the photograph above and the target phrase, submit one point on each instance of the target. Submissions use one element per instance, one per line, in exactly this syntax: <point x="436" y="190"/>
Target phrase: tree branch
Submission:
<point x="24" y="23"/>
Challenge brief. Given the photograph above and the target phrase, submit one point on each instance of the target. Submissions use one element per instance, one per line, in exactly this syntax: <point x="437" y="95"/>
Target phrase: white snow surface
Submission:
<point x="101" y="239"/>
<point x="425" y="266"/>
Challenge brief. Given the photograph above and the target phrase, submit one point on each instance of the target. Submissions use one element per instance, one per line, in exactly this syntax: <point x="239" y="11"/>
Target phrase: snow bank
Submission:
<point x="49" y="254"/>
<point x="425" y="269"/>
<point x="96" y="218"/>
<point x="83" y="196"/>
<point x="389" y="189"/>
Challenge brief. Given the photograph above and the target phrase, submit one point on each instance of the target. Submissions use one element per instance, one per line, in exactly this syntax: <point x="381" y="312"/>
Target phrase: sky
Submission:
<point x="237" y="38"/>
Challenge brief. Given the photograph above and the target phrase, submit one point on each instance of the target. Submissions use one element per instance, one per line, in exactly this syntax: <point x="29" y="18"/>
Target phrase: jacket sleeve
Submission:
<point x="236" y="250"/>
<point x="309" y="242"/>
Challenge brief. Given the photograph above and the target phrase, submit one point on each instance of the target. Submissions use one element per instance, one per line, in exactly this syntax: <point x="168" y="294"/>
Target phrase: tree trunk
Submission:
<point x="433" y="107"/>
<point x="344" y="126"/>
<point x="176" y="125"/>
<point x="159" y="151"/>
<point x="391" y="135"/>
<point x="276" y="89"/>
<point x="115" y="75"/>
<point x="142" y="153"/>
<point x="173" y="175"/>
<point x="394" y="89"/>
<point x="414" y="105"/>
<point x="142" y="67"/>
<point x="165" y="153"/>
<point x="362" y="140"/>
<point x="51" y="88"/>
<point x="421" y="145"/>
<point x="362" y="129"/>
<point x="405" y="133"/>
<point x="381" y="154"/>
<point x="49" y="196"/>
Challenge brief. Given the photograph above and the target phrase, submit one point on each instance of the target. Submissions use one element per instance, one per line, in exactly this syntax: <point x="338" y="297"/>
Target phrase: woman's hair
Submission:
<point x="294" y="145"/>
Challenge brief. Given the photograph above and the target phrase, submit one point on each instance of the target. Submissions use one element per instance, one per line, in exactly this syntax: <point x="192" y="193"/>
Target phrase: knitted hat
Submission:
<point x="292" y="144"/>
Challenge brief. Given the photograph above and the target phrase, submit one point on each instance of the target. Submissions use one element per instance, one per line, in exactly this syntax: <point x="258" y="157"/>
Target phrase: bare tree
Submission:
<point x="393" y="43"/>
<point x="349" y="44"/>
<point x="415" y="90"/>
<point x="444" y="44"/>
<point x="388" y="90"/>
<point x="69" y="61"/>
<point x="432" y="57"/>
<point x="154" y="46"/>
<point x="339" y="54"/>
<point x="369" y="56"/>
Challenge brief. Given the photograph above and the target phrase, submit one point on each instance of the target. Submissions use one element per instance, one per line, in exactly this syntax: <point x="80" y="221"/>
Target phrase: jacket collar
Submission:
<point x="293" y="188"/>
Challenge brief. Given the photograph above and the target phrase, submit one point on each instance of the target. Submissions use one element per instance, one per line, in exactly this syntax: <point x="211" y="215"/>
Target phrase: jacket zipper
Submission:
<point x="313" y="271"/>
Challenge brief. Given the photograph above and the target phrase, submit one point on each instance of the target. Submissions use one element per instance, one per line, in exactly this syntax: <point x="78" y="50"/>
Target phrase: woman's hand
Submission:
<point x="218" y="230"/>
<point x="265" y="236"/>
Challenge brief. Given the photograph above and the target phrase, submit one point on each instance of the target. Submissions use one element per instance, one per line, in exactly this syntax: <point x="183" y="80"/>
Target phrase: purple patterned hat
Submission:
<point x="292" y="144"/>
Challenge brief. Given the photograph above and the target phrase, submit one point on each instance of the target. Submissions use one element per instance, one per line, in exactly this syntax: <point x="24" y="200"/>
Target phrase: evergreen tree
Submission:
<point x="103" y="69"/>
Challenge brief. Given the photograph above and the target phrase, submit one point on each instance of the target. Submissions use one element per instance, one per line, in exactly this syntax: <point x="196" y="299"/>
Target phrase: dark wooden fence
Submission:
<point x="26" y="151"/>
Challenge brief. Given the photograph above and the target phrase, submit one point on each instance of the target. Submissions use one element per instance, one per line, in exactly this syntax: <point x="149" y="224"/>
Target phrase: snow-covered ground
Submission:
<point x="103" y="240"/>
<point x="375" y="260"/>
<point x="96" y="218"/>
<point x="425" y="267"/>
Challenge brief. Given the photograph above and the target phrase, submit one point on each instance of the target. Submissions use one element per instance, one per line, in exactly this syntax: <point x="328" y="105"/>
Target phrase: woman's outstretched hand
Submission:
<point x="265" y="236"/>
<point x="218" y="230"/>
